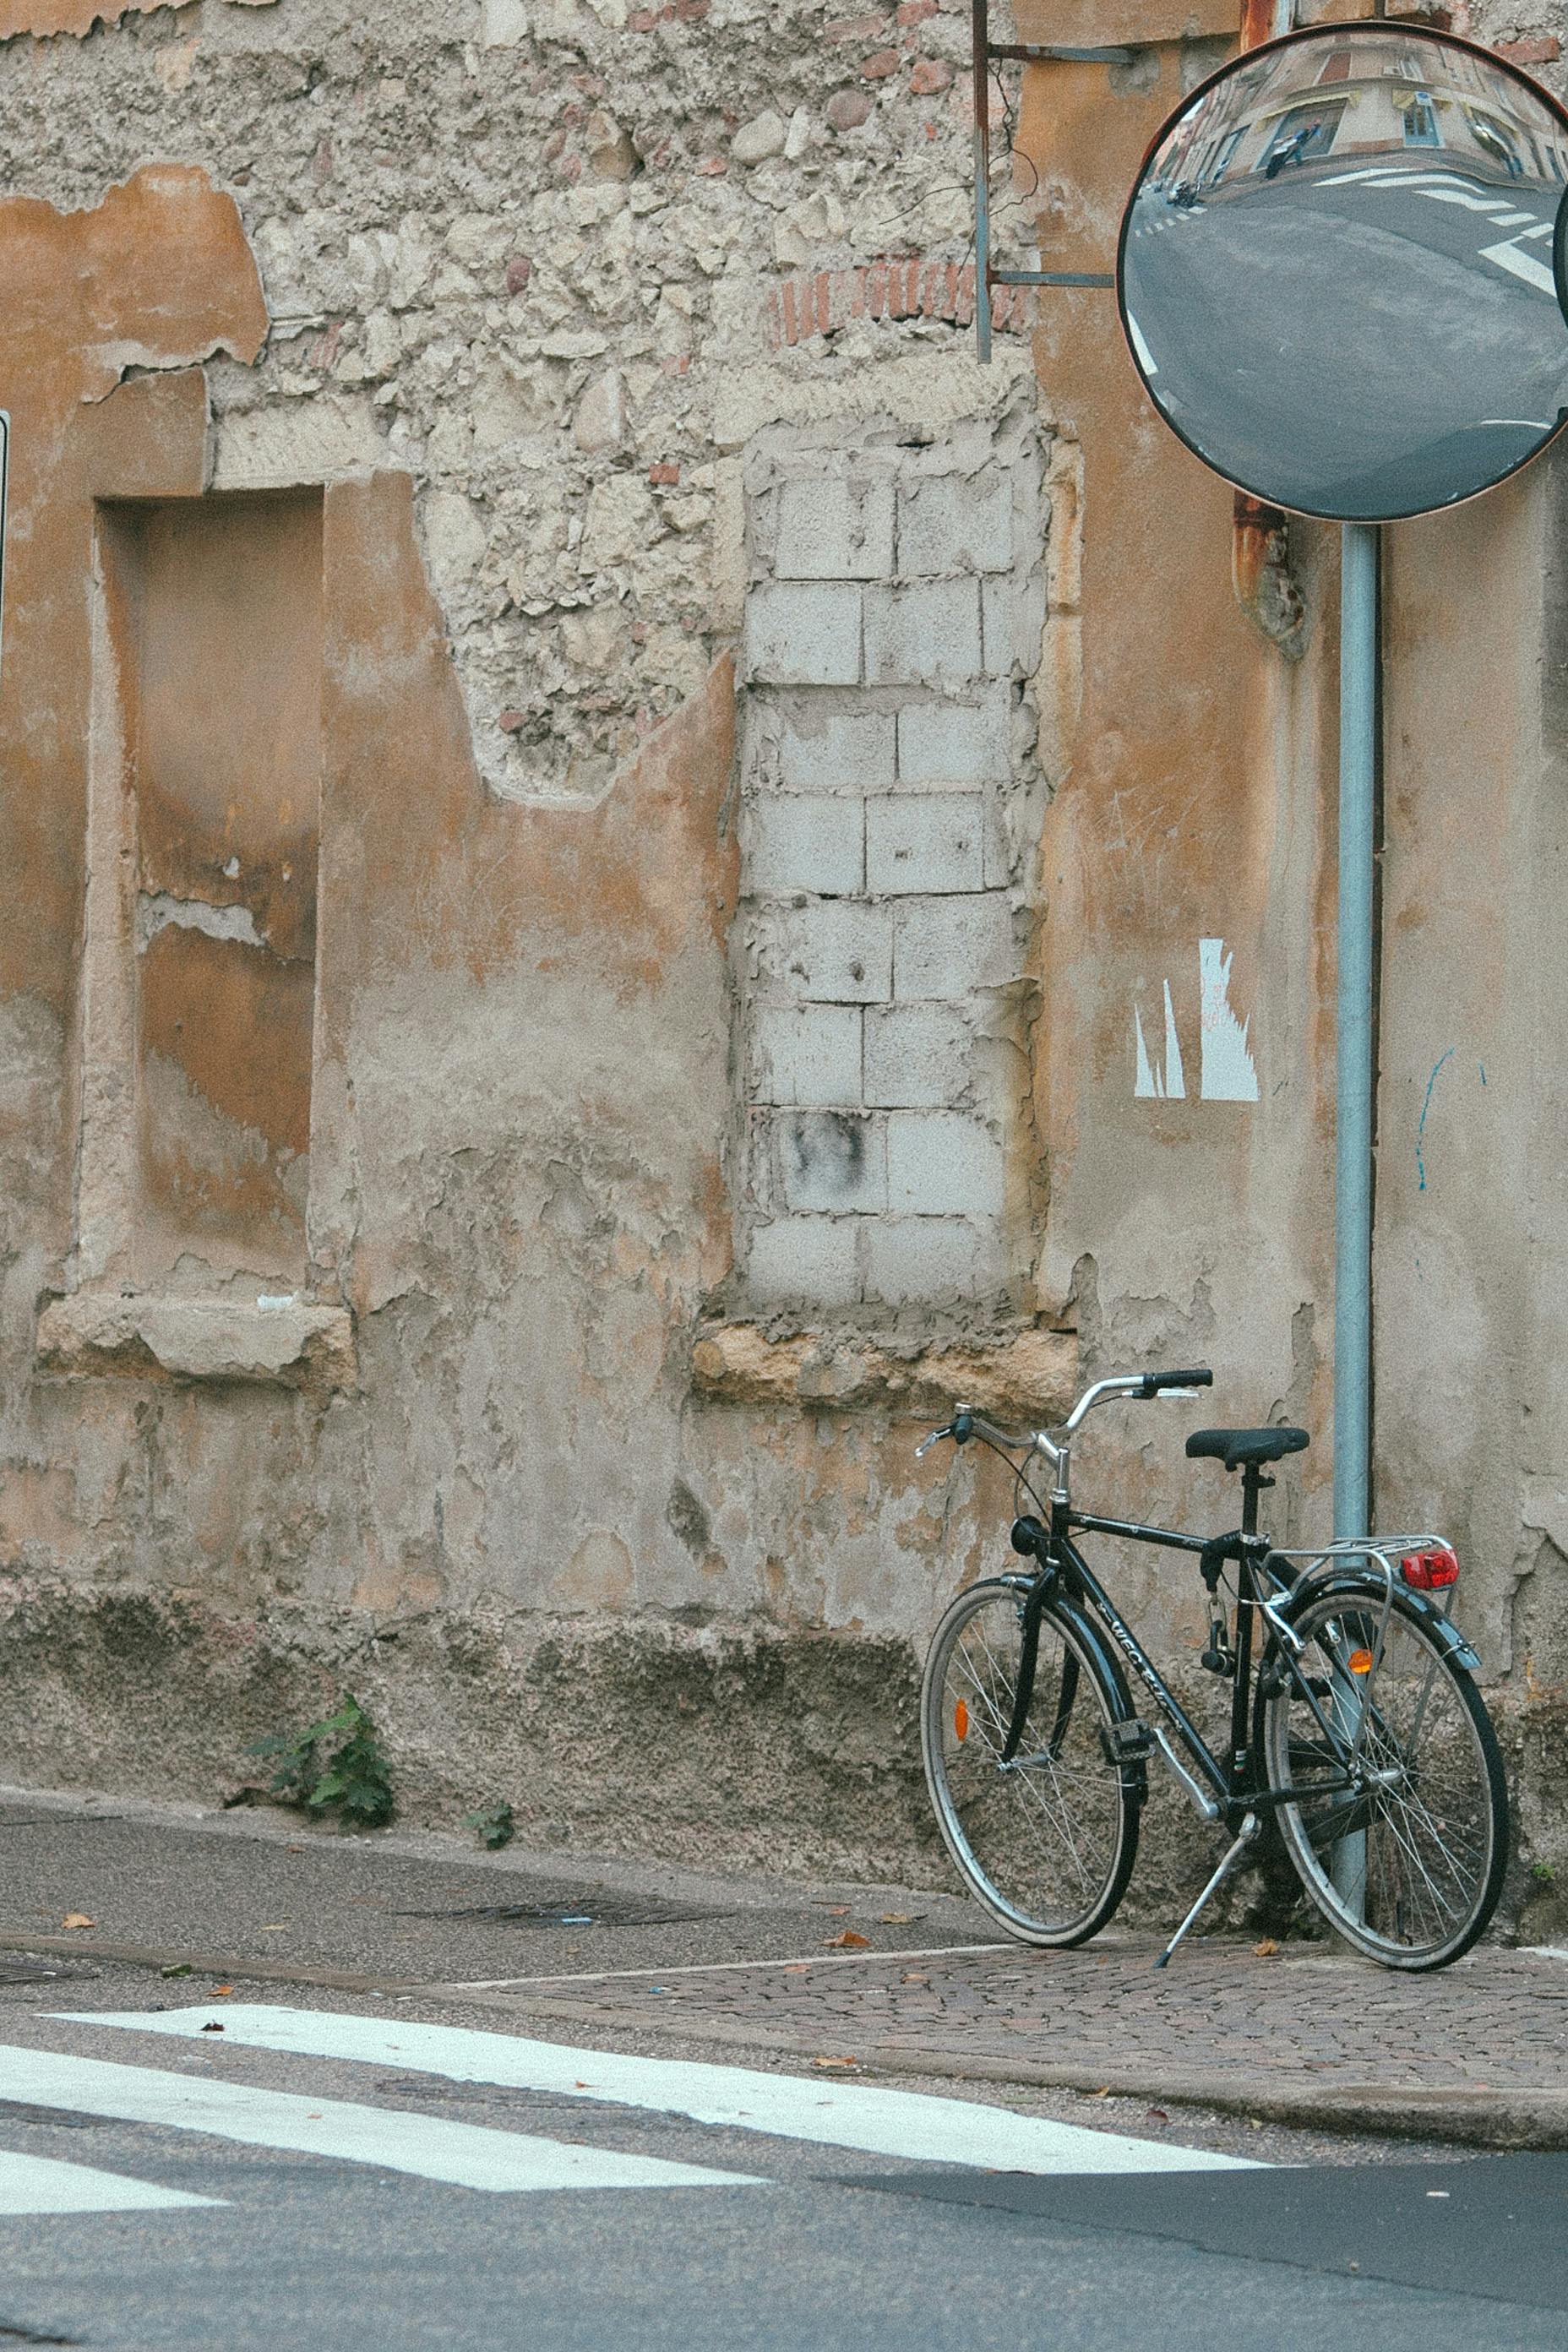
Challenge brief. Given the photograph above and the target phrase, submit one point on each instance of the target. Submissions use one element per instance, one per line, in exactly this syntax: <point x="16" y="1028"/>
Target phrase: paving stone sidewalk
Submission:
<point x="1304" y="2032"/>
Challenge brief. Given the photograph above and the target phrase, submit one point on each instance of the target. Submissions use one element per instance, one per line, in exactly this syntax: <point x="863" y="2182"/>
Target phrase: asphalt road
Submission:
<point x="401" y="2174"/>
<point x="1352" y="339"/>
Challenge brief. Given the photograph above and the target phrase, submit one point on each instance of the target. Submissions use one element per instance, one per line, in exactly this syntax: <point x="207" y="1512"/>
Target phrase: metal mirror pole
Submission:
<point x="1359" y="716"/>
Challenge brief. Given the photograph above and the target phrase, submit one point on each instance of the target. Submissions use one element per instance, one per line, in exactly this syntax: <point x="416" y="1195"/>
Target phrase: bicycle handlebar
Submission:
<point x="967" y="1423"/>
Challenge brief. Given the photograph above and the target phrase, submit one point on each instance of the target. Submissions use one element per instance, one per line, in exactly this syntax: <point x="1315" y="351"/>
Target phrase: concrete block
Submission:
<point x="1015" y="626"/>
<point x="806" y="1054"/>
<point x="802" y="632"/>
<point x="798" y="841"/>
<point x="840" y="952"/>
<point x="947" y="947"/>
<point x="917" y="1057"/>
<point x="910" y="1258"/>
<point x="832" y="529"/>
<point x="943" y="1163"/>
<point x="925" y="841"/>
<point x="925" y="634"/>
<point x="955" y="522"/>
<point x="832" y="1161"/>
<point x="835" y="751"/>
<point x="955" y="742"/>
<point x="812" y="1258"/>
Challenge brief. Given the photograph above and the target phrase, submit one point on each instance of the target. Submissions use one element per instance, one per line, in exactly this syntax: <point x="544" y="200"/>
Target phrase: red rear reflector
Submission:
<point x="960" y="1722"/>
<point x="1427" y="1570"/>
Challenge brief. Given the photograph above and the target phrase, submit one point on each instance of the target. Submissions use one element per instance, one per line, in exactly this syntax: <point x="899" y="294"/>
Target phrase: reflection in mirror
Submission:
<point x="1337" y="271"/>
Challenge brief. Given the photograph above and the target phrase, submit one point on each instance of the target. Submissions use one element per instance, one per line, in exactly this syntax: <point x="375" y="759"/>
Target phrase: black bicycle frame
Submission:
<point x="1239" y="1782"/>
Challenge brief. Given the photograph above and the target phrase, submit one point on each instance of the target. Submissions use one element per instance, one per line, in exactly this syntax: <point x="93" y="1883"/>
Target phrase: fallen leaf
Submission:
<point x="897" y="1919"/>
<point x="176" y="1969"/>
<point x="835" y="1910"/>
<point x="221" y="1989"/>
<point x="1103" y="2092"/>
<point x="835" y="2061"/>
<point x="849" y="1942"/>
<point x="77" y="1919"/>
<point x="914" y="1978"/>
<point x="212" y="2026"/>
<point x="1155" y="2116"/>
<point x="798" y="1968"/>
<point x="1257" y="2125"/>
<point x="1266" y="1950"/>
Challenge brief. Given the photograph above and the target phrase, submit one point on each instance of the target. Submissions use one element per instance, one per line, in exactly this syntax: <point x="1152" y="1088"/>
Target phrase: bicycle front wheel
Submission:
<point x="1046" y="1841"/>
<point x="1398" y="1827"/>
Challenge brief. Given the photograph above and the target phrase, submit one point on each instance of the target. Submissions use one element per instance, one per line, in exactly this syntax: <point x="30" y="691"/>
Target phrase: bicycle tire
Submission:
<point x="1424" y="1881"/>
<point x="1009" y="1828"/>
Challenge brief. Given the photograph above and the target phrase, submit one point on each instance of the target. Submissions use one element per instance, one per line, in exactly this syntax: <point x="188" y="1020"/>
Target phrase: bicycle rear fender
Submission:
<point x="1367" y="1585"/>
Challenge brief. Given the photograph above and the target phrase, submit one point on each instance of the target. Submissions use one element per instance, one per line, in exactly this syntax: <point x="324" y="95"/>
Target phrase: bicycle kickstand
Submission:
<point x="1248" y="1831"/>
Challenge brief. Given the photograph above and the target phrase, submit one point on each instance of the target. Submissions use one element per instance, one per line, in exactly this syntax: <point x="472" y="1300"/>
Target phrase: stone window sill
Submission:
<point x="146" y="1336"/>
<point x="1028" y="1376"/>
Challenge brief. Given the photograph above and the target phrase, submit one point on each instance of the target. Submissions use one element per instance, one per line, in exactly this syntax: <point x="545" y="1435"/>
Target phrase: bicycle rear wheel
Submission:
<point x="1401" y="1840"/>
<point x="1047" y="1841"/>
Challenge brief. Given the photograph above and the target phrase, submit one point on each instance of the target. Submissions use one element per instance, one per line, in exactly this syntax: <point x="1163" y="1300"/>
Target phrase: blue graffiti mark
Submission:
<point x="1421" y="1123"/>
<point x="1482" y="1067"/>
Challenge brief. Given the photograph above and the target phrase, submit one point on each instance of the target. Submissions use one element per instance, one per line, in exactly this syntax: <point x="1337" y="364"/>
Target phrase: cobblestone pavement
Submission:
<point x="1225" y="2019"/>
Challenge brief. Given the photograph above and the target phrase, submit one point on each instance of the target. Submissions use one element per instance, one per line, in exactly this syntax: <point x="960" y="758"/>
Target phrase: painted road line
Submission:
<point x="42" y="2184"/>
<point x="914" y="2124"/>
<point x="715" y="1968"/>
<point x="1523" y="265"/>
<point x="465" y="2155"/>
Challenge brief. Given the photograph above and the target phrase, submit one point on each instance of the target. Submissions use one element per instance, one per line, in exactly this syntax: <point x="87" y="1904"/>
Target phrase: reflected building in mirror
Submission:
<point x="1336" y="271"/>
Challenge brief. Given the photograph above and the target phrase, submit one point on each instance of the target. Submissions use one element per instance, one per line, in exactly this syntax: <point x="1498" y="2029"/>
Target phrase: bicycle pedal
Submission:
<point x="1125" y="1743"/>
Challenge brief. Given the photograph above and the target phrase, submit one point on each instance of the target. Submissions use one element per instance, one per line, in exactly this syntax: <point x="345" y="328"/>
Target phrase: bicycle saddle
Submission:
<point x="1235" y="1447"/>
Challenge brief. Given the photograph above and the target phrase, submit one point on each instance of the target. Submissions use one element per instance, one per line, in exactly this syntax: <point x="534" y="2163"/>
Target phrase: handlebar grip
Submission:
<point x="1154" y="1382"/>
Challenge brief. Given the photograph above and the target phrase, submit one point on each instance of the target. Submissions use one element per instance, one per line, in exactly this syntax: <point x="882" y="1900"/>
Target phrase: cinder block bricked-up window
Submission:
<point x="892" y="809"/>
<point x="213" y="621"/>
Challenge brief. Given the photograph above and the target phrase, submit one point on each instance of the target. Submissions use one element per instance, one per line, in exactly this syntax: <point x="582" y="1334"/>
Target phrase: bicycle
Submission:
<point x="1360" y="1730"/>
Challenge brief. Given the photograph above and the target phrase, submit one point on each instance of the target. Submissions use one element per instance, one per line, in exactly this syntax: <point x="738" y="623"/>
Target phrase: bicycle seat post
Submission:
<point x="1253" y="1484"/>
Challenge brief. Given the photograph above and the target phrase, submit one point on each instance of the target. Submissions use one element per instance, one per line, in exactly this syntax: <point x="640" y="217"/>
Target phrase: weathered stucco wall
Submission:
<point x="542" y="1047"/>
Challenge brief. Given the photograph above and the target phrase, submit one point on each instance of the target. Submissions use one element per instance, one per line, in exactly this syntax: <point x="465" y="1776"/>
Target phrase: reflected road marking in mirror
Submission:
<point x="1313" y="284"/>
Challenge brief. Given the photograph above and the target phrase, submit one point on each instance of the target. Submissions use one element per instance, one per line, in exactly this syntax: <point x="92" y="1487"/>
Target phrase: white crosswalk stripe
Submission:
<point x="468" y="2155"/>
<point x="43" y="2184"/>
<point x="912" y="2124"/>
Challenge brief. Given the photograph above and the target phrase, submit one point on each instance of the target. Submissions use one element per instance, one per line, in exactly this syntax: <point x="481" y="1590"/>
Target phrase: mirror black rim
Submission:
<point x="1306" y="36"/>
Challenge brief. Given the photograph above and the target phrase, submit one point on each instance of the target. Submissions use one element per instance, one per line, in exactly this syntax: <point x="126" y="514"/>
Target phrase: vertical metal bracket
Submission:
<point x="986" y="51"/>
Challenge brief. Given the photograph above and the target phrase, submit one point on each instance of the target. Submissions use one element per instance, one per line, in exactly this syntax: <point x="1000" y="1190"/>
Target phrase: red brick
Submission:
<point x="1534" y="49"/>
<point x="513" y="722"/>
<point x="930" y="74"/>
<point x="663" y="476"/>
<point x="791" y="331"/>
<point x="824" y="302"/>
<point x="915" y="12"/>
<point x="879" y="65"/>
<point x="876" y="288"/>
<point x="712" y="167"/>
<point x="848" y="109"/>
<point x="519" y="270"/>
<point x="691" y="12"/>
<point x="858" y="294"/>
<point x="642" y="20"/>
<point x="679" y="366"/>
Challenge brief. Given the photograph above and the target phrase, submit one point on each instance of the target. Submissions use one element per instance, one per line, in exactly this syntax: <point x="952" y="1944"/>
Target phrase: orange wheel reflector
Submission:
<point x="961" y="1721"/>
<point x="1361" y="1662"/>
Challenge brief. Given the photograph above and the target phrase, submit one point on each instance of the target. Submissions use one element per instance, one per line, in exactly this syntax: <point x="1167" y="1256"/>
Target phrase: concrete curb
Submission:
<point x="1469" y="2118"/>
<point x="1467" y="2115"/>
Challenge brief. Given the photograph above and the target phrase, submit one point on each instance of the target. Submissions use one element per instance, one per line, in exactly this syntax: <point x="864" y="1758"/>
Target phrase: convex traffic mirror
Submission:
<point x="1340" y="276"/>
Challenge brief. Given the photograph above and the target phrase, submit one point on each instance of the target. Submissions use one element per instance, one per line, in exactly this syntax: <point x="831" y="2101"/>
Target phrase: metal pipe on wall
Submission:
<point x="1356" y="1079"/>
